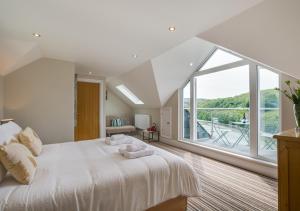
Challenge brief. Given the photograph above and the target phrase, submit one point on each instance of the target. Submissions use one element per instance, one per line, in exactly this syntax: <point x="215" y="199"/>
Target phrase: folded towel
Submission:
<point x="135" y="147"/>
<point x="137" y="154"/>
<point x="125" y="140"/>
<point x="118" y="136"/>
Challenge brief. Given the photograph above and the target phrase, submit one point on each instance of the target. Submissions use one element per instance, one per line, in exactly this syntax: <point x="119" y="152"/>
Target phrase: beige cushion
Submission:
<point x="31" y="140"/>
<point x="18" y="161"/>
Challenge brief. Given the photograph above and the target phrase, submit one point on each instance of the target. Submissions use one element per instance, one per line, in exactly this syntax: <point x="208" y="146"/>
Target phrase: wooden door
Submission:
<point x="166" y="122"/>
<point x="87" y="124"/>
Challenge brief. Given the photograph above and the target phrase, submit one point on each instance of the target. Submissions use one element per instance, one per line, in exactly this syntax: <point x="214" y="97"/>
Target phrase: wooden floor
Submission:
<point x="226" y="187"/>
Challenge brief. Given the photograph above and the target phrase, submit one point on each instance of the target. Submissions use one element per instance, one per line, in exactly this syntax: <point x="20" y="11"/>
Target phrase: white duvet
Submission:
<point x="91" y="175"/>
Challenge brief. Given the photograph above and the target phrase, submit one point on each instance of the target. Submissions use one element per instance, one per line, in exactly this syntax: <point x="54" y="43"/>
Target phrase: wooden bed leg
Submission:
<point x="176" y="204"/>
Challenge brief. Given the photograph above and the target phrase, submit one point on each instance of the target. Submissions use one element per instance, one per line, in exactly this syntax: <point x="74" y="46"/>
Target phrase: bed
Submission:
<point x="91" y="175"/>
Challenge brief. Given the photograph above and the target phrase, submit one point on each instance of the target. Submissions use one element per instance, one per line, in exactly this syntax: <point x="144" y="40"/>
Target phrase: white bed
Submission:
<point x="91" y="175"/>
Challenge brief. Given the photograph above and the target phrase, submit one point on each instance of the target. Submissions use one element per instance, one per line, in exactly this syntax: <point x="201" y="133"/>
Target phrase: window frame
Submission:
<point x="254" y="100"/>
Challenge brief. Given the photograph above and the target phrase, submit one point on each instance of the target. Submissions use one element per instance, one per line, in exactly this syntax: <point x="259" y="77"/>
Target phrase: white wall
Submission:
<point x="287" y="113"/>
<point x="268" y="33"/>
<point x="174" y="103"/>
<point x="41" y="95"/>
<point x="1" y="96"/>
<point x="153" y="112"/>
<point x="116" y="107"/>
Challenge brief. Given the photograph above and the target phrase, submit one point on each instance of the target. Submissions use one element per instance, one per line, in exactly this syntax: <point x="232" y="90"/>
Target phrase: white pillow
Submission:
<point x="8" y="132"/>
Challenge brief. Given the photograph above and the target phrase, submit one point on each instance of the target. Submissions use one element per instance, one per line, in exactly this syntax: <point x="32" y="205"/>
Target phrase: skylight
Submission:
<point x="125" y="91"/>
<point x="219" y="58"/>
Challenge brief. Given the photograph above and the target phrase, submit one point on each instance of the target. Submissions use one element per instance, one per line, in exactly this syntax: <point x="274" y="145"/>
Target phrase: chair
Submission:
<point x="269" y="141"/>
<point x="221" y="132"/>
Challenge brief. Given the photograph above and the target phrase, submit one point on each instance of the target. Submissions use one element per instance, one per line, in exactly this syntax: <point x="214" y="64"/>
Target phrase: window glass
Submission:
<point x="186" y="111"/>
<point x="269" y="113"/>
<point x="219" y="58"/>
<point x="223" y="109"/>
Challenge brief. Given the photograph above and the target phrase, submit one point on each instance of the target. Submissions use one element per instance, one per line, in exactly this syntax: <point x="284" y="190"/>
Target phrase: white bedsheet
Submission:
<point x="91" y="175"/>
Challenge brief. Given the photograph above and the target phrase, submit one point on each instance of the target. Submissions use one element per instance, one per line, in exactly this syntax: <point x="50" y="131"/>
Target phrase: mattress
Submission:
<point x="91" y="175"/>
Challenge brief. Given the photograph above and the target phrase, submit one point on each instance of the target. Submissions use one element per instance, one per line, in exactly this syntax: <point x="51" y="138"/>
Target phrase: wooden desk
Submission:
<point x="288" y="170"/>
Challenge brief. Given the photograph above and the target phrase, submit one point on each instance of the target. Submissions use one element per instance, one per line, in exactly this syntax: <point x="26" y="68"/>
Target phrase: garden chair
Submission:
<point x="269" y="141"/>
<point x="221" y="132"/>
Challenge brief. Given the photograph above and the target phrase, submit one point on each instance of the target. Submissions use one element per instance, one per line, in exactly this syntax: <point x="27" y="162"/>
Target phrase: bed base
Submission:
<point x="176" y="204"/>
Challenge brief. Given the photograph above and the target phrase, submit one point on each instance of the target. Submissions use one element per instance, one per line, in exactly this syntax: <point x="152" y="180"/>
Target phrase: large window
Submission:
<point x="218" y="58"/>
<point x="269" y="113"/>
<point x="186" y="111"/>
<point x="223" y="113"/>
<point x="235" y="108"/>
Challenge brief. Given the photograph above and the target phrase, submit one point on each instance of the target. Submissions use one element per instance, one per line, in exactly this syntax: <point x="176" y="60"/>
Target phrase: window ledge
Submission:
<point x="249" y="163"/>
<point x="240" y="156"/>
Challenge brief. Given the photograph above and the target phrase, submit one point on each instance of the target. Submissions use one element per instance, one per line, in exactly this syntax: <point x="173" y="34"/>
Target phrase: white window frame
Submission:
<point x="254" y="99"/>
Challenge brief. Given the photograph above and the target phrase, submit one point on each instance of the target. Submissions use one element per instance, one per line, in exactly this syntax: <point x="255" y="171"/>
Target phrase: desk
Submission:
<point x="244" y="128"/>
<point x="150" y="135"/>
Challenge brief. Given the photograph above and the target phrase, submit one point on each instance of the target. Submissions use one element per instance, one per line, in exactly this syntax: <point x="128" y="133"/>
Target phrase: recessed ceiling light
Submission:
<point x="191" y="64"/>
<point x="172" y="28"/>
<point x="90" y="73"/>
<point x="134" y="56"/>
<point x="36" y="35"/>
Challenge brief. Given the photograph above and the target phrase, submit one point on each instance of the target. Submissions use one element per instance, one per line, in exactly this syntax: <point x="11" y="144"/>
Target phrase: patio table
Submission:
<point x="244" y="128"/>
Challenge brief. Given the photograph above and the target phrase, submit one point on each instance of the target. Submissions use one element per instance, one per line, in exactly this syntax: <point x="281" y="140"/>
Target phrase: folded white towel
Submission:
<point x="137" y="154"/>
<point x="117" y="137"/>
<point x="135" y="147"/>
<point x="125" y="140"/>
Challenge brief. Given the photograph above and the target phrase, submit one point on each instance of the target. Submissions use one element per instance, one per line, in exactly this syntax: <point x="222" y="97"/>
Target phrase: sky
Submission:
<point x="231" y="82"/>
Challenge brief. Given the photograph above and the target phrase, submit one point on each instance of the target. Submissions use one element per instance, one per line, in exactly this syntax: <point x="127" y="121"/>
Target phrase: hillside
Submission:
<point x="269" y="99"/>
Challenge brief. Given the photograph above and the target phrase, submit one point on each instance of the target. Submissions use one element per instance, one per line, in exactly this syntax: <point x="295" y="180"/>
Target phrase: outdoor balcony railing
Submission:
<point x="229" y="128"/>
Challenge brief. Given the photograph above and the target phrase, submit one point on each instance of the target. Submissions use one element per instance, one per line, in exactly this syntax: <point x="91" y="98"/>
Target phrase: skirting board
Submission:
<point x="251" y="164"/>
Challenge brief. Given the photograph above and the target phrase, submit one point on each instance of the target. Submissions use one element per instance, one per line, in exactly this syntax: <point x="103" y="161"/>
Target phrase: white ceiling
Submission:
<point x="16" y="53"/>
<point x="173" y="68"/>
<point x="156" y="81"/>
<point x="268" y="33"/>
<point x="101" y="35"/>
<point x="141" y="82"/>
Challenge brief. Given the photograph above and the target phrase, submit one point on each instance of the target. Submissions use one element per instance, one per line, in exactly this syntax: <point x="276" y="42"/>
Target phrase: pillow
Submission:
<point x="8" y="132"/>
<point x="125" y="122"/>
<point x="119" y="122"/>
<point x="18" y="161"/>
<point x="114" y="123"/>
<point x="31" y="140"/>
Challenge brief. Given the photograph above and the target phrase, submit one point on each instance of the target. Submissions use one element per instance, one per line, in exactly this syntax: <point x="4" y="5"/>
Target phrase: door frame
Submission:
<point x="161" y="124"/>
<point x="102" y="127"/>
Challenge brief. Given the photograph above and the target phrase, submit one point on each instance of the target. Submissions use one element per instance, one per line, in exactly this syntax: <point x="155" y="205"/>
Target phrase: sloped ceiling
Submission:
<point x="15" y="54"/>
<point x="154" y="82"/>
<point x="141" y="82"/>
<point x="101" y="35"/>
<point x="268" y="33"/>
<point x="174" y="67"/>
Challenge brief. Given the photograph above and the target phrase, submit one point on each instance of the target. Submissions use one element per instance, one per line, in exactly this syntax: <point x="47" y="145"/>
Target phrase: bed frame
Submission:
<point x="176" y="204"/>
